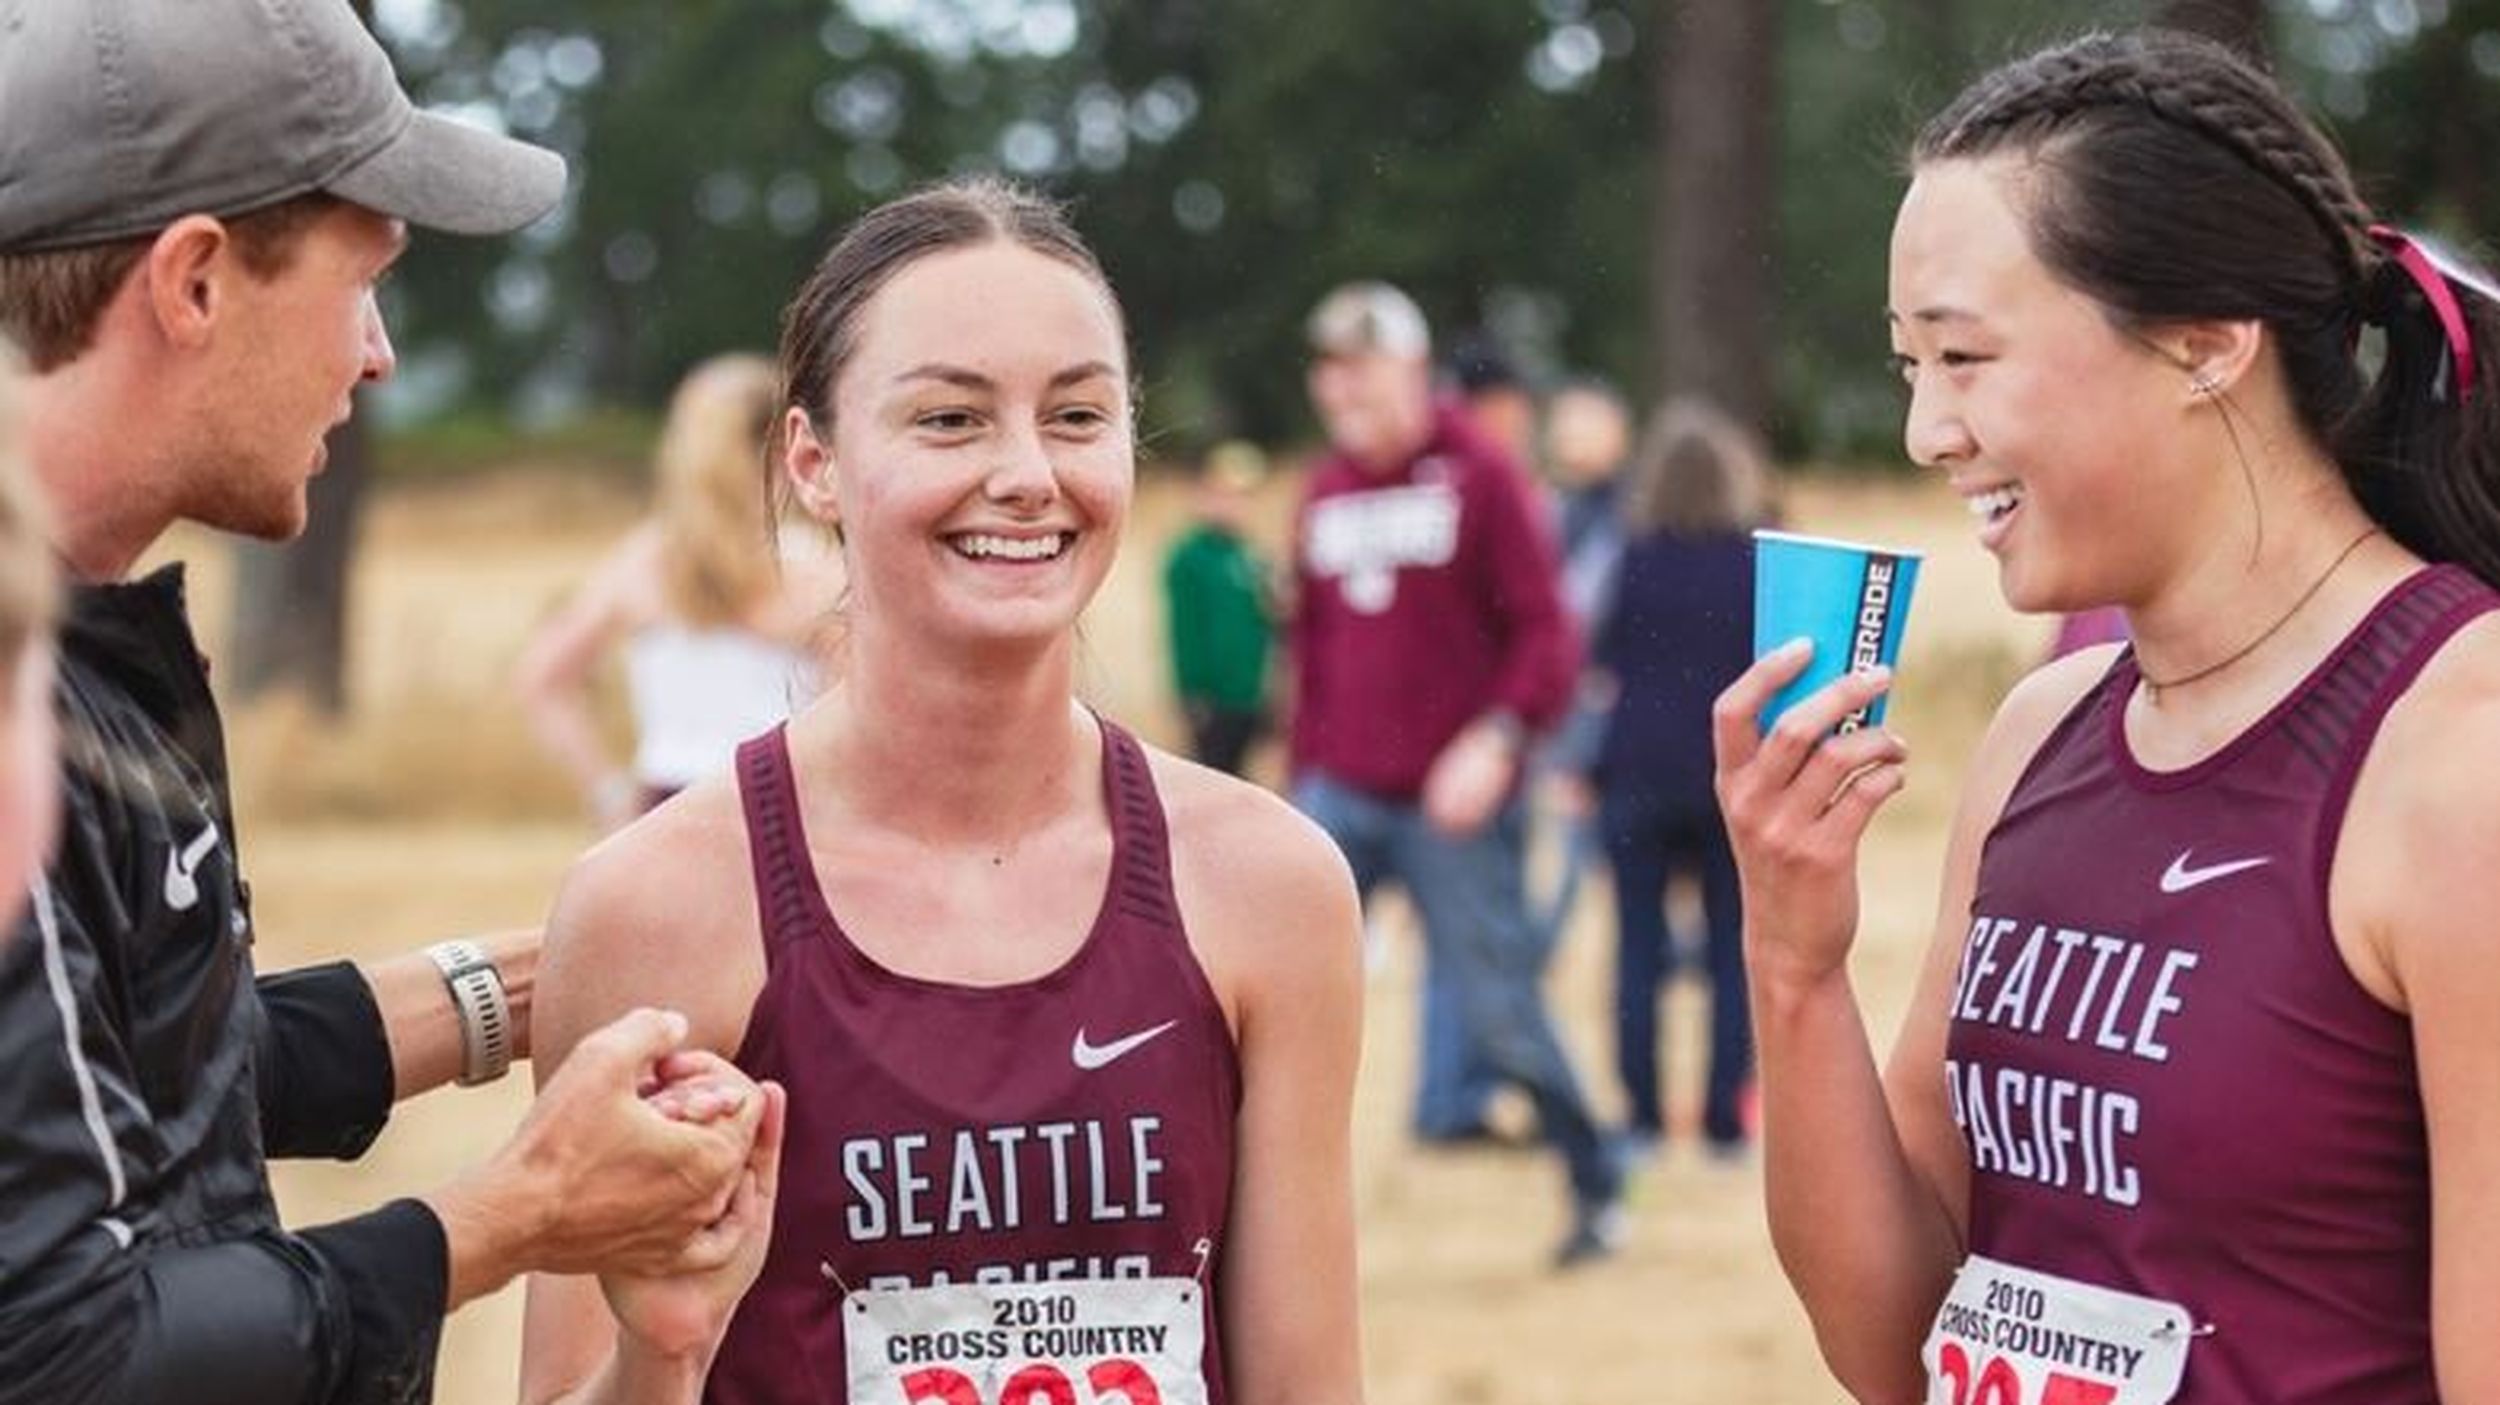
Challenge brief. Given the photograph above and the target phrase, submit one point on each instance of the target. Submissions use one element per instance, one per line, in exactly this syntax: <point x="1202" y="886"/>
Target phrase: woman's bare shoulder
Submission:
<point x="2413" y="868"/>
<point x="1256" y="879"/>
<point x="1267" y="899"/>
<point x="2434" y="767"/>
<point x="2044" y="696"/>
<point x="1240" y="831"/>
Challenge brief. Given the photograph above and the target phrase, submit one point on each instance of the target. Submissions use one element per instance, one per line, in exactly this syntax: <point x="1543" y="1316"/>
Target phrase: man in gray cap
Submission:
<point x="196" y="200"/>
<point x="1430" y="642"/>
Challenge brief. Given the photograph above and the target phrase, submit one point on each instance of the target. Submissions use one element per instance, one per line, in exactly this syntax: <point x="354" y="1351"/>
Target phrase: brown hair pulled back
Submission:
<point x="820" y="327"/>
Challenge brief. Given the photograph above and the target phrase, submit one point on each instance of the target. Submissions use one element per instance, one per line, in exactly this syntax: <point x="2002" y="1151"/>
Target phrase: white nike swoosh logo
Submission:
<point x="2178" y="878"/>
<point x="1090" y="1056"/>
<point x="182" y="866"/>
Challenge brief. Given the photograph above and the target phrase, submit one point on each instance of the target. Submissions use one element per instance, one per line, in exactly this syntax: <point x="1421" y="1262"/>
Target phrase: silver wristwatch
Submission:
<point x="485" y="1013"/>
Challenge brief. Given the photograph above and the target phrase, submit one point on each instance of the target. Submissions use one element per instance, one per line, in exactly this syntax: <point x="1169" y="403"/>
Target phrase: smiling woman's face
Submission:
<point x="982" y="459"/>
<point x="2066" y="437"/>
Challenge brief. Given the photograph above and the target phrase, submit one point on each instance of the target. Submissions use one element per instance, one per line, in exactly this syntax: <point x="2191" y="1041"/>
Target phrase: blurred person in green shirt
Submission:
<point x="1215" y="592"/>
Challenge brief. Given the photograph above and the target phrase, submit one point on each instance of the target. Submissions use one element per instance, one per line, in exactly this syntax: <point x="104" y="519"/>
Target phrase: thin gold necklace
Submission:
<point x="2153" y="687"/>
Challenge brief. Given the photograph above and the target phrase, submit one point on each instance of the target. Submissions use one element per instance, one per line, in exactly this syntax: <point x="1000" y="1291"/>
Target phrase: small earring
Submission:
<point x="2203" y="384"/>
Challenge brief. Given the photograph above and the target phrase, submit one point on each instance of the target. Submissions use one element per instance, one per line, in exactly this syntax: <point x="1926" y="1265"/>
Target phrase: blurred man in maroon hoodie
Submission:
<point x="1429" y="640"/>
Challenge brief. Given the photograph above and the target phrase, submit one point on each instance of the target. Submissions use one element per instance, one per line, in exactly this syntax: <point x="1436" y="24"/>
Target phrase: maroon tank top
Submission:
<point x="2168" y="1080"/>
<point x="1078" y="1125"/>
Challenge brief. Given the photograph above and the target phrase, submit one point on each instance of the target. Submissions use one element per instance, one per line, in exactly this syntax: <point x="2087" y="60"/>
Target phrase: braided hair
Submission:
<point x="2170" y="180"/>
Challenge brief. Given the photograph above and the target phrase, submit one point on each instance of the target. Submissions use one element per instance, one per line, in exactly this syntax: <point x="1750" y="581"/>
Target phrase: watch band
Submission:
<point x="485" y="1013"/>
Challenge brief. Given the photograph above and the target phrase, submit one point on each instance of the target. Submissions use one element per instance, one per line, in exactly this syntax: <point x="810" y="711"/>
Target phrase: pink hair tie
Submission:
<point x="2432" y="278"/>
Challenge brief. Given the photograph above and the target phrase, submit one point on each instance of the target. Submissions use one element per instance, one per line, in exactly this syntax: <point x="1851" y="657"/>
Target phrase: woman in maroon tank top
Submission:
<point x="2198" y="1098"/>
<point x="1068" y="1027"/>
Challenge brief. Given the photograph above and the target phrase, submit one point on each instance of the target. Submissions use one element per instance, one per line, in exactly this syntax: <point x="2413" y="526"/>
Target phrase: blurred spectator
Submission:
<point x="715" y="634"/>
<point x="1588" y="435"/>
<point x="1496" y="395"/>
<point x="1681" y="628"/>
<point x="1588" y="431"/>
<point x="1455" y="1103"/>
<point x="1429" y="639"/>
<point x="1215" y="594"/>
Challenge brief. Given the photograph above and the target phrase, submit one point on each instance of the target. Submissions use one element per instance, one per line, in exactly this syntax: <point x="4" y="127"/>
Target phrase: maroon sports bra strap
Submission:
<point x="1141" y="864"/>
<point x="776" y="844"/>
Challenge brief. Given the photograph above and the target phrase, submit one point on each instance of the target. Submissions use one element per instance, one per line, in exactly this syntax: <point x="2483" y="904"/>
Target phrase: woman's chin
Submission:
<point x="2032" y="595"/>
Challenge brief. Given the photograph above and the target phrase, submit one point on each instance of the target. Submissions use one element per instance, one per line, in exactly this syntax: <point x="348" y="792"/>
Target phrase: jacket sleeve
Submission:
<point x="1541" y="648"/>
<point x="324" y="1065"/>
<point x="345" y="1314"/>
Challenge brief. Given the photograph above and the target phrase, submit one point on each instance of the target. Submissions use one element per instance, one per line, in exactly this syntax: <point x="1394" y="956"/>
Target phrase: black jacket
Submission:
<point x="145" y="1074"/>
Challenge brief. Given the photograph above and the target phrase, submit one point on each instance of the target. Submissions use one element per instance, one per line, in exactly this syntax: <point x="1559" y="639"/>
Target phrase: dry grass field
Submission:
<point x="429" y="813"/>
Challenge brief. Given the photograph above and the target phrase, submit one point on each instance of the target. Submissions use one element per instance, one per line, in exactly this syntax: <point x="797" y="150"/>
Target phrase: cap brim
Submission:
<point x="446" y="175"/>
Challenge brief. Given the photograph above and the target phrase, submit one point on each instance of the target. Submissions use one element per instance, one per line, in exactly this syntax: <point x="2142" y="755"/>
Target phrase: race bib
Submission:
<point x="1085" y="1341"/>
<point x="2011" y="1336"/>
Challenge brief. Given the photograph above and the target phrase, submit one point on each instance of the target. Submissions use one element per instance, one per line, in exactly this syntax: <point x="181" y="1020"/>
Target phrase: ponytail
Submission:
<point x="2422" y="449"/>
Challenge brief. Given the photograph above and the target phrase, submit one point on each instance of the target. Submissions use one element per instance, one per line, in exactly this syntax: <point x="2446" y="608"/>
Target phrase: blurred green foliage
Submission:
<point x="1231" y="159"/>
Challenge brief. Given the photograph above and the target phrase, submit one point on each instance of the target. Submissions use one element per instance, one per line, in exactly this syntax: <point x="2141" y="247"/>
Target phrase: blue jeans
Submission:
<point x="1648" y="840"/>
<point x="1579" y="853"/>
<point x="1458" y="1081"/>
<point x="1455" y="1082"/>
<point x="1479" y="942"/>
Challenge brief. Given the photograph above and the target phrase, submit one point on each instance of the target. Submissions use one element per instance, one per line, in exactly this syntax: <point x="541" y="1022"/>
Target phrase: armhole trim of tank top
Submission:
<point x="1141" y="837"/>
<point x="2336" y="804"/>
<point x="1145" y="841"/>
<point x="776" y="851"/>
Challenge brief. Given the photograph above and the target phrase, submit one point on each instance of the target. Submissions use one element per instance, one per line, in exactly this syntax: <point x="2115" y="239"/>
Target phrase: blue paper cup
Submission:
<point x="1851" y="600"/>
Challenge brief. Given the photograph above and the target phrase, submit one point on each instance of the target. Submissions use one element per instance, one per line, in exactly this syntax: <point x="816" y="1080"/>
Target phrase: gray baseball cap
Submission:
<point x="118" y="117"/>
<point x="1368" y="316"/>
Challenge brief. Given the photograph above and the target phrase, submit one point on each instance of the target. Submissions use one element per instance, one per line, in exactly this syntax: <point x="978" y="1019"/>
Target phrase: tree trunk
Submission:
<point x="1716" y="213"/>
<point x="290" y="599"/>
<point x="2460" y="160"/>
<point x="2238" y="23"/>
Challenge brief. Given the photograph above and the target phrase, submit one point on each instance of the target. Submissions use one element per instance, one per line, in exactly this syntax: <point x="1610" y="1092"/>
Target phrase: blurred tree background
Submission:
<point x="1674" y="194"/>
<point x="1233" y="158"/>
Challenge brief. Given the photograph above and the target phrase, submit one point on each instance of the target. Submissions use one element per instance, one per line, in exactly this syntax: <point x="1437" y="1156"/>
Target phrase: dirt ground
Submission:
<point x="430" y="814"/>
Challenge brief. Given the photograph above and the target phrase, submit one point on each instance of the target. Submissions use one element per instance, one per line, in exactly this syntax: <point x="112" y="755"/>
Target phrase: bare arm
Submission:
<point x="1285" y="934"/>
<point x="553" y="676"/>
<point x="2447" y="969"/>
<point x="638" y="915"/>
<point x="2428" y="948"/>
<point x="1864" y="1174"/>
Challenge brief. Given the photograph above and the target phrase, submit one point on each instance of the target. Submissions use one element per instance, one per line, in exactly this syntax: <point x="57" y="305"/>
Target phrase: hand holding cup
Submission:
<point x="1797" y="798"/>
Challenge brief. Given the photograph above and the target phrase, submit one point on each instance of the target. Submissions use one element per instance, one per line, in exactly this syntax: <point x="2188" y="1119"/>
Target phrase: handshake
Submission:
<point x="645" y="1163"/>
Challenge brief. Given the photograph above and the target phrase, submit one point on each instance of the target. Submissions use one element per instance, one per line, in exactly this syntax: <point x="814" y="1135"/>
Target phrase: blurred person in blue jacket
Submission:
<point x="1681" y="626"/>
